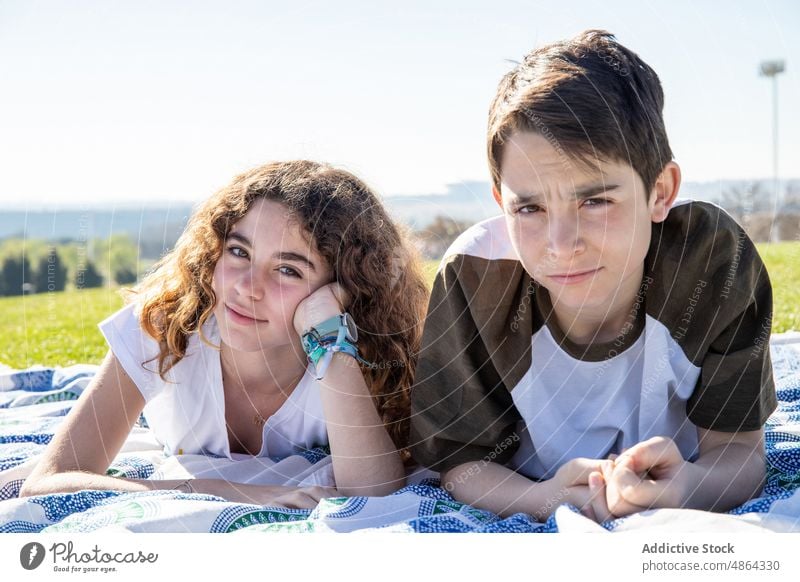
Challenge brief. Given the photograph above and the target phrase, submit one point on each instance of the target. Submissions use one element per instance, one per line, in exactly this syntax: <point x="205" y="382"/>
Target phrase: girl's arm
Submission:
<point x="93" y="433"/>
<point x="90" y="437"/>
<point x="365" y="460"/>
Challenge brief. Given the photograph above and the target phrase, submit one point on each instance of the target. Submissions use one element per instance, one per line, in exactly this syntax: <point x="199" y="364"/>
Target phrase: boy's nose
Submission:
<point x="564" y="236"/>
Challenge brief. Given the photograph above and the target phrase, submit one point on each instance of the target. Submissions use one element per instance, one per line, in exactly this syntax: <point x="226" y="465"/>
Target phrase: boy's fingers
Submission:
<point x="637" y="491"/>
<point x="578" y="470"/>
<point x="650" y="453"/>
<point x="598" y="498"/>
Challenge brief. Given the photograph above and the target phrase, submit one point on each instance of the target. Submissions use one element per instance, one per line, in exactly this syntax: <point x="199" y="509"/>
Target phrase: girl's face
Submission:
<point x="267" y="267"/>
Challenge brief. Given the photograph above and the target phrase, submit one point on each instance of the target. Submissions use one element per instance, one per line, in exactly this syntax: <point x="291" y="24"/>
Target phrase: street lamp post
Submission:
<point x="772" y="69"/>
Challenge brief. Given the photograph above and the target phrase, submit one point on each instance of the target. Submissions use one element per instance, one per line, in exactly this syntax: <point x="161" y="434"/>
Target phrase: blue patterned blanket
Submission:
<point x="33" y="402"/>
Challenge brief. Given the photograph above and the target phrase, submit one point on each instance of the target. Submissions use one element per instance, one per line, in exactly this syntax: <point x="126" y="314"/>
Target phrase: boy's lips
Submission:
<point x="574" y="276"/>
<point x="240" y="317"/>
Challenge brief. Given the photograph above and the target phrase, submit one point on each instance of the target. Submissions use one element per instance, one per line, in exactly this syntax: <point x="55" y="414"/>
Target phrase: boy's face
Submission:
<point x="580" y="232"/>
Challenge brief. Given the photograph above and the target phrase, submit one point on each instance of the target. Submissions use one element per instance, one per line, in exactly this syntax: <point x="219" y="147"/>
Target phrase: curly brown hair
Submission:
<point x="370" y="256"/>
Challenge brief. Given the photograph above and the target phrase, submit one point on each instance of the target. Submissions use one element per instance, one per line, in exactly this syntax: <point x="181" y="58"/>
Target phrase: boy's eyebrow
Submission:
<point x="580" y="194"/>
<point x="281" y="256"/>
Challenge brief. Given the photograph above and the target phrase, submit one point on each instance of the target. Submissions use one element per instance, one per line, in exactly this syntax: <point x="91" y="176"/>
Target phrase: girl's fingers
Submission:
<point x="341" y="295"/>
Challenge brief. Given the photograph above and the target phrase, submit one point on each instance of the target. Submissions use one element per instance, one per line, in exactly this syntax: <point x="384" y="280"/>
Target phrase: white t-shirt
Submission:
<point x="187" y="412"/>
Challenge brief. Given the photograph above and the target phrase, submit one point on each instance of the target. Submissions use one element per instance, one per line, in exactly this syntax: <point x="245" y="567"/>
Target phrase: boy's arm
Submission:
<point x="505" y="492"/>
<point x="729" y="471"/>
<point x="461" y="409"/>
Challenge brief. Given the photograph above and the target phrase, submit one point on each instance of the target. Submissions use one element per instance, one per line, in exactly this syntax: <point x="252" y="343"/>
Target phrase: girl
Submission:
<point x="251" y="337"/>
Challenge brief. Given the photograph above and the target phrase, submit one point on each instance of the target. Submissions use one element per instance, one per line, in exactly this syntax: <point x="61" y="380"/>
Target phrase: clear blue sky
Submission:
<point x="119" y="102"/>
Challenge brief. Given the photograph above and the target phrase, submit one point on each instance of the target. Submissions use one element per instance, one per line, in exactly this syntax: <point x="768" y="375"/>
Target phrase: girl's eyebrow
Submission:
<point x="295" y="257"/>
<point x="281" y="256"/>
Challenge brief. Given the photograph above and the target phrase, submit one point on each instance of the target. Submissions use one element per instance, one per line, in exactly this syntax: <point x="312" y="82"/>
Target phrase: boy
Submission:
<point x="596" y="317"/>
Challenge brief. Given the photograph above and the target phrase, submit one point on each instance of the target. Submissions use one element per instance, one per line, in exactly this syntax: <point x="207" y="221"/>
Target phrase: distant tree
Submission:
<point x="51" y="274"/>
<point x="88" y="277"/>
<point x="743" y="201"/>
<point x="15" y="273"/>
<point x="125" y="276"/>
<point x="439" y="234"/>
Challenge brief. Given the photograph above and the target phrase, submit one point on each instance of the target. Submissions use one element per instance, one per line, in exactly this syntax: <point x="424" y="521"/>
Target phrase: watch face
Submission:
<point x="351" y="327"/>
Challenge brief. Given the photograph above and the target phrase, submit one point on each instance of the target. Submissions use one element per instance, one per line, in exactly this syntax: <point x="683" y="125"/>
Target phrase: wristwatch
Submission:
<point x="340" y="326"/>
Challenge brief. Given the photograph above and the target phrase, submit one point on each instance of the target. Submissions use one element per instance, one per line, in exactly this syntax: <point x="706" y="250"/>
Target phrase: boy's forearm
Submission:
<point x="726" y="477"/>
<point x="502" y="491"/>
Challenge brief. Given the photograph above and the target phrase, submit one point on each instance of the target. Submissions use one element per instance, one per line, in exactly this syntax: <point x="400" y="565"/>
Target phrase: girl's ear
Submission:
<point x="497" y="197"/>
<point x="664" y="192"/>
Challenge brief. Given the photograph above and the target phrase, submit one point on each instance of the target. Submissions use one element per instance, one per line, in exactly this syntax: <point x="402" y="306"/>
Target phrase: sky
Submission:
<point x="140" y="102"/>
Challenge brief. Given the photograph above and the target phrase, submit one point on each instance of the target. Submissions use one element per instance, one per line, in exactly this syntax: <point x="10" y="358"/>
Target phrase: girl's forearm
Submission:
<point x="71" y="481"/>
<point x="365" y="460"/>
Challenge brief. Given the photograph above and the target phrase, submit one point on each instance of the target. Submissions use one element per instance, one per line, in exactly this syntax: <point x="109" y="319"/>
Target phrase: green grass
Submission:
<point x="783" y="265"/>
<point x="55" y="329"/>
<point x="59" y="329"/>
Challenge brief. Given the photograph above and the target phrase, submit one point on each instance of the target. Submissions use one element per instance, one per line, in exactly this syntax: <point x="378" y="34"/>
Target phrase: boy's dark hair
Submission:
<point x="591" y="98"/>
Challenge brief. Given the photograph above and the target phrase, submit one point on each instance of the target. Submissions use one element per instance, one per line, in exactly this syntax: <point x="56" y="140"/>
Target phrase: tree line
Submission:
<point x="35" y="266"/>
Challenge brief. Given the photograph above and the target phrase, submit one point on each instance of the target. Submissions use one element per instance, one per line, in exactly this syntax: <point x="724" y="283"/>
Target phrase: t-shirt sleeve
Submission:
<point x="133" y="348"/>
<point x="460" y="409"/>
<point x="736" y="390"/>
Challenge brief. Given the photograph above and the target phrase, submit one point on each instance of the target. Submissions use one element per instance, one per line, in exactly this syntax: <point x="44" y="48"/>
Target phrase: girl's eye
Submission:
<point x="238" y="252"/>
<point x="289" y="272"/>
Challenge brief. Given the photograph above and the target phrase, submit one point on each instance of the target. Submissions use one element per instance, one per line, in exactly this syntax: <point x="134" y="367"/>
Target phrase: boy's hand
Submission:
<point x="322" y="304"/>
<point x="648" y="475"/>
<point x="580" y="482"/>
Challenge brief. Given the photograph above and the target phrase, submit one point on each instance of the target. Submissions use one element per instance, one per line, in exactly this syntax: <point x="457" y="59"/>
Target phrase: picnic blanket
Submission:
<point x="33" y="402"/>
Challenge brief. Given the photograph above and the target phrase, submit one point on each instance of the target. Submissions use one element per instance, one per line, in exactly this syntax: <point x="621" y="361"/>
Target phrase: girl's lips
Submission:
<point x="573" y="279"/>
<point x="237" y="317"/>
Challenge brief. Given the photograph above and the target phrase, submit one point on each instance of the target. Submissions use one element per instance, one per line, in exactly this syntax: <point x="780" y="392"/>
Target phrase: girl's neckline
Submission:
<point x="283" y="412"/>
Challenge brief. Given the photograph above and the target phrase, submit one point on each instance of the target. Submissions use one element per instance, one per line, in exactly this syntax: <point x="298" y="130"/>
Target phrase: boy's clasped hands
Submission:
<point x="648" y="475"/>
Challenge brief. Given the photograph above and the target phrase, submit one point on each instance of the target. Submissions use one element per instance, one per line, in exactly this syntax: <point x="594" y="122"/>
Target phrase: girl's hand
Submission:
<point x="303" y="498"/>
<point x="650" y="474"/>
<point x="270" y="495"/>
<point x="322" y="304"/>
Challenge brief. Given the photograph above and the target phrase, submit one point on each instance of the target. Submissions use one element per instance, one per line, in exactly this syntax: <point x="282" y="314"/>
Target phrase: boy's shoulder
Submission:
<point x="691" y="222"/>
<point x="487" y="239"/>
<point x="702" y="275"/>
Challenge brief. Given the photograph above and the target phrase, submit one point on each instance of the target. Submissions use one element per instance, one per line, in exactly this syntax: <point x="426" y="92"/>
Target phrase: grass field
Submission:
<point x="59" y="329"/>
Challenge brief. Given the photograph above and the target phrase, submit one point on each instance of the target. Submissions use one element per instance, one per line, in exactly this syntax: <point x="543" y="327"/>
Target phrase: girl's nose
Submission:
<point x="250" y="285"/>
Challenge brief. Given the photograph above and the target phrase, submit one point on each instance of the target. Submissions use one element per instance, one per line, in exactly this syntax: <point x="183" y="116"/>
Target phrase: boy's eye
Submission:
<point x="528" y="209"/>
<point x="289" y="272"/>
<point x="597" y="202"/>
<point x="238" y="252"/>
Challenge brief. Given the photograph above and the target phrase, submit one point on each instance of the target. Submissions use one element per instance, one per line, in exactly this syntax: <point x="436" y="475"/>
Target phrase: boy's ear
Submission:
<point x="497" y="197"/>
<point x="665" y="191"/>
